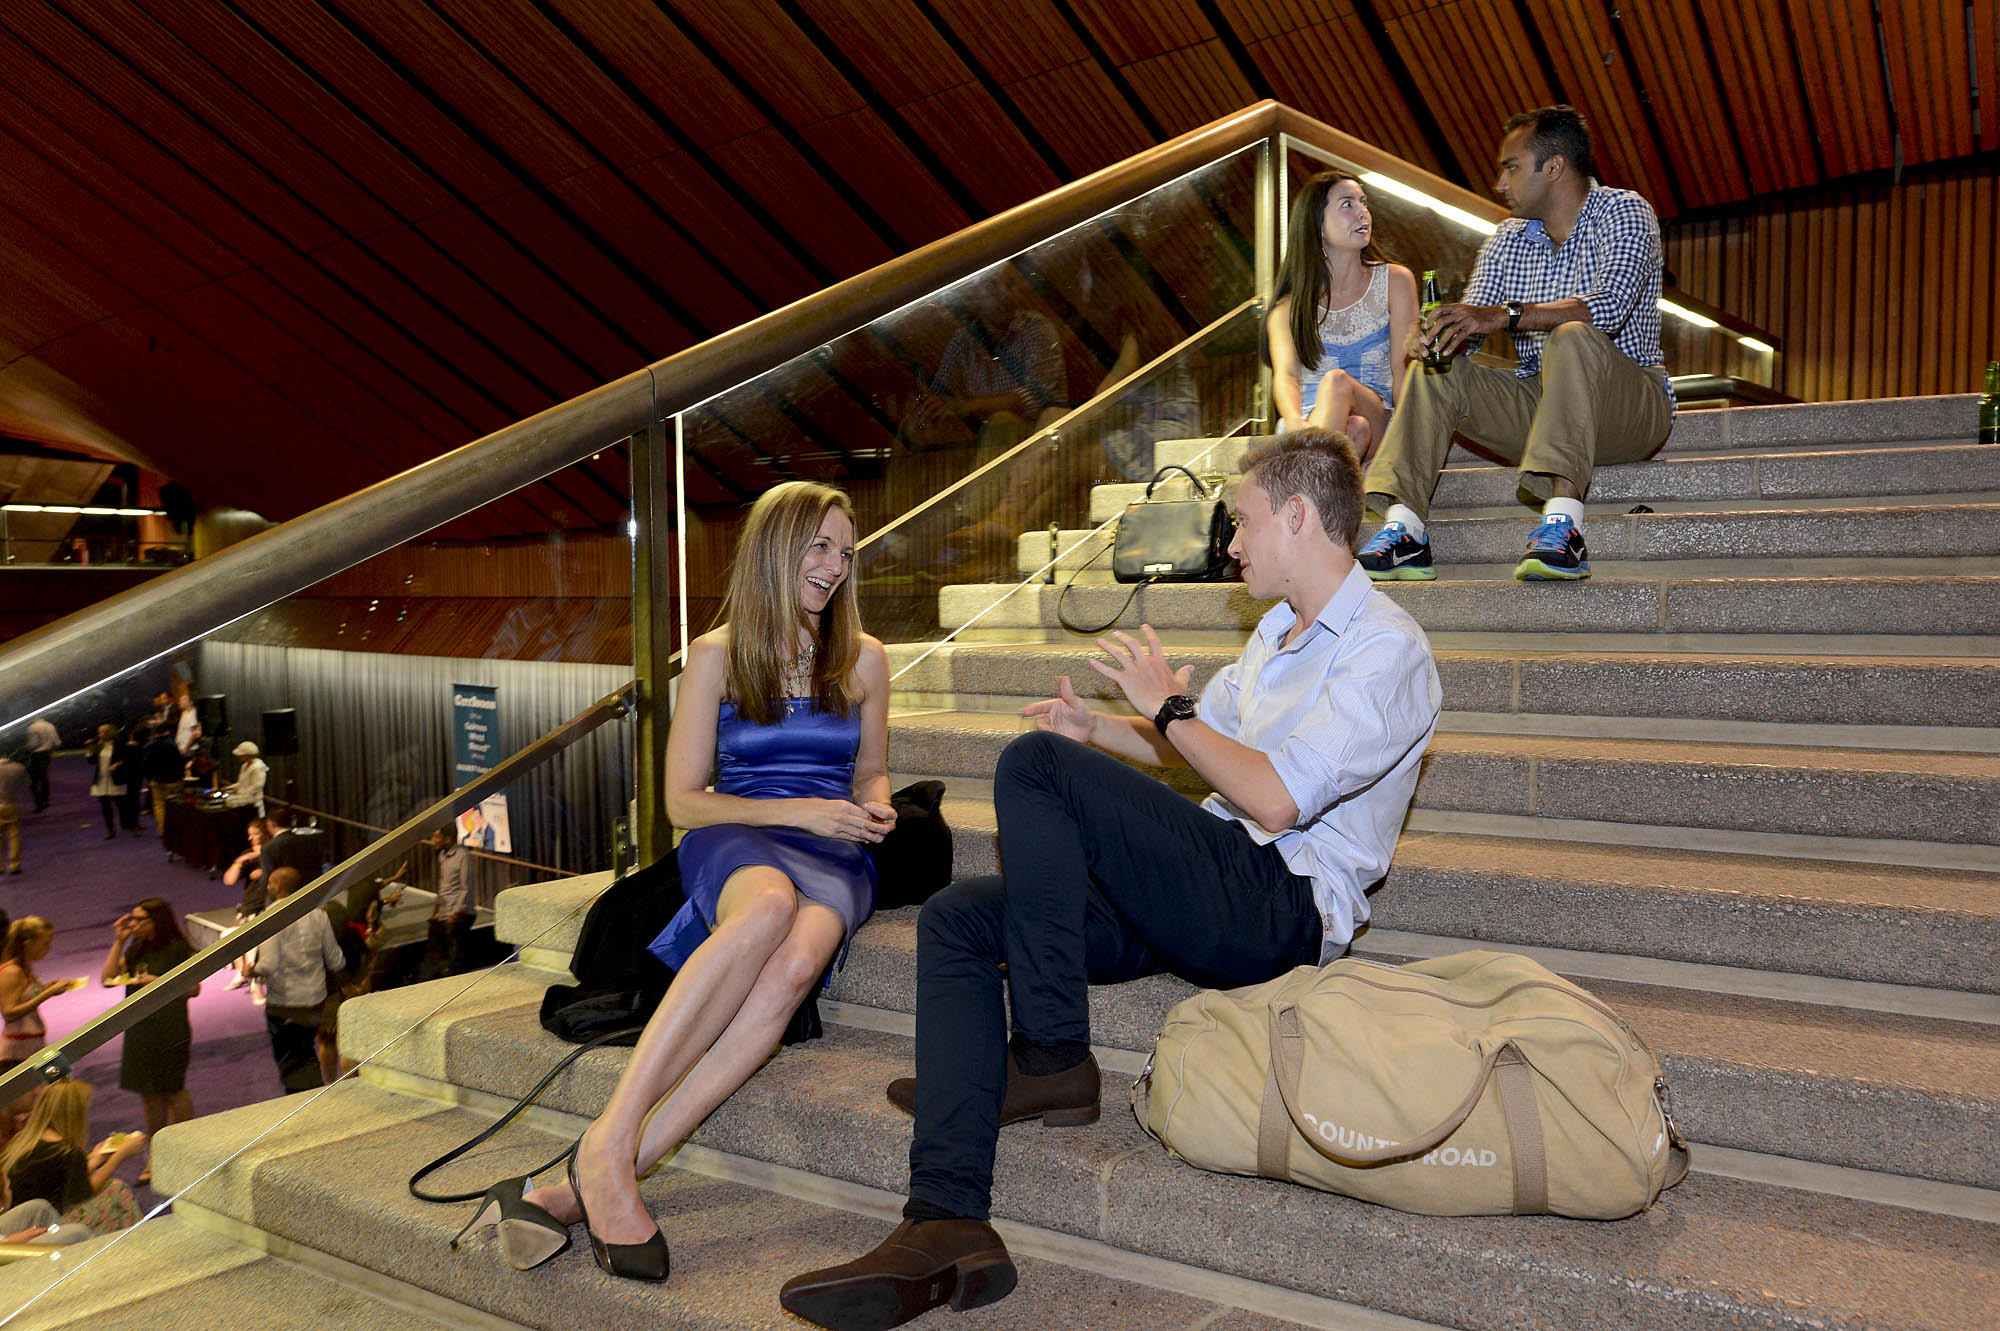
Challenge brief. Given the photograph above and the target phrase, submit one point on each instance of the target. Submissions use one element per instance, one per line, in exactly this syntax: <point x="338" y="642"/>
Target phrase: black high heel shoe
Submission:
<point x="529" y="1235"/>
<point x="633" y="1261"/>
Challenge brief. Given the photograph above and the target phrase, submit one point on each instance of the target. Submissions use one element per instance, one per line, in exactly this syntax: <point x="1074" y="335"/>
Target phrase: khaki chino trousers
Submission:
<point x="1591" y="403"/>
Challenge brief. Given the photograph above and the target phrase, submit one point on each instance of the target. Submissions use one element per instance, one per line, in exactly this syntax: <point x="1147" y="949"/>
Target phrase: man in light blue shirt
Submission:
<point x="1311" y="741"/>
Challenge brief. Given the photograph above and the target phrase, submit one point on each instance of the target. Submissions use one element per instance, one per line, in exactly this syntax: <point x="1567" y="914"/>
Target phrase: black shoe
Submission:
<point x="922" y="1265"/>
<point x="1065" y="1099"/>
<point x="529" y="1235"/>
<point x="633" y="1261"/>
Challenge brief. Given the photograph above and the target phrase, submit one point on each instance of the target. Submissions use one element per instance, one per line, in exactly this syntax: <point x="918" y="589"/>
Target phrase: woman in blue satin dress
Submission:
<point x="788" y="703"/>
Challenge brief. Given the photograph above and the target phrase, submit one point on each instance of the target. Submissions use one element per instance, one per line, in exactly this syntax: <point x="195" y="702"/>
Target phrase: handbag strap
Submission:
<point x="1062" y="616"/>
<point x="1201" y="491"/>
<point x="501" y="1122"/>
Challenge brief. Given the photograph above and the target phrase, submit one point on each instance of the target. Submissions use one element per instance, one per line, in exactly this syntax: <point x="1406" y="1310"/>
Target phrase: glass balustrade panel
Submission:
<point x="982" y="378"/>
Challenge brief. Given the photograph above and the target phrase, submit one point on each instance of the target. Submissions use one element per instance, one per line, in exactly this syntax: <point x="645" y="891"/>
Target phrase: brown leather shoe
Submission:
<point x="1065" y="1099"/>
<point x="923" y="1264"/>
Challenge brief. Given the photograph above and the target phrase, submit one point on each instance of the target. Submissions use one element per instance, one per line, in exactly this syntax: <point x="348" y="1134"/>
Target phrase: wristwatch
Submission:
<point x="1513" y="308"/>
<point x="1179" y="707"/>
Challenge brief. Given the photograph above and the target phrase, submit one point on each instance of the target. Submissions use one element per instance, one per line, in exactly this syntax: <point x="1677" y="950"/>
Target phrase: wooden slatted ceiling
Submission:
<point x="362" y="231"/>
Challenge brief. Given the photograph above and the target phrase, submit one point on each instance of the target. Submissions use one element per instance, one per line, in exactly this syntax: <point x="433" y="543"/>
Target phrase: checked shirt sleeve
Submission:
<point x="1625" y="258"/>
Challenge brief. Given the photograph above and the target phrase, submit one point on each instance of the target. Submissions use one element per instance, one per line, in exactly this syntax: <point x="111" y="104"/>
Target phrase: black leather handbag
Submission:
<point x="1165" y="540"/>
<point x="1174" y="540"/>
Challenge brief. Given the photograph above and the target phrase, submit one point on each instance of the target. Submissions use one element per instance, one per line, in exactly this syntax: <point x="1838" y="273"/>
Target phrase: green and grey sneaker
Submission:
<point x="1555" y="553"/>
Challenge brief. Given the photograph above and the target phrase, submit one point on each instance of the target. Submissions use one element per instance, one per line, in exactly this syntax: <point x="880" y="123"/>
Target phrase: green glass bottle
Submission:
<point x="1989" y="406"/>
<point x="1427" y="304"/>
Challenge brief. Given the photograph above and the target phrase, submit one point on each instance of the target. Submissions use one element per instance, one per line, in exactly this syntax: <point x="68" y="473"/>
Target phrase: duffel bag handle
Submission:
<point x="1526" y="1150"/>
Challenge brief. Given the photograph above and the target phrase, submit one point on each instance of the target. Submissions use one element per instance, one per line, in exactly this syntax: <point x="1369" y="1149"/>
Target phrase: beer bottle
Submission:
<point x="1428" y="303"/>
<point x="1989" y="406"/>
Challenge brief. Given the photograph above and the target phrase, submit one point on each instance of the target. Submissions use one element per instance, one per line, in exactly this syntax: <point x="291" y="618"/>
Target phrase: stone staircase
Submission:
<point x="1744" y="784"/>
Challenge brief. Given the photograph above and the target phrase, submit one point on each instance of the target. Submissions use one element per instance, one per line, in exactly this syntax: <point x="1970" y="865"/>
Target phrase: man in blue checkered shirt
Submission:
<point x="1574" y="275"/>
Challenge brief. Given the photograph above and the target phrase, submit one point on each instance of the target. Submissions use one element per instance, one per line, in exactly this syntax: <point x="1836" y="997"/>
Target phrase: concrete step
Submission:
<point x="172" y="1271"/>
<point x="1870" y="424"/>
<point x="1928" y="928"/>
<point x="1714" y="1252"/>
<point x="1893" y="795"/>
<point x="1937" y="609"/>
<point x="1799" y="690"/>
<point x="333" y="1187"/>
<point x="1946" y="469"/>
<point x="1942" y="530"/>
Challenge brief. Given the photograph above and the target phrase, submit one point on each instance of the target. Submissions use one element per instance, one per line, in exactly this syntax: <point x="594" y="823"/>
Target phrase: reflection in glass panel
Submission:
<point x="902" y="409"/>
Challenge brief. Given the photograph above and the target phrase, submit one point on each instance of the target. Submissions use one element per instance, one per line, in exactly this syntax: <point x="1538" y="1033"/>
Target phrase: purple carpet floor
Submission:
<point x="80" y="882"/>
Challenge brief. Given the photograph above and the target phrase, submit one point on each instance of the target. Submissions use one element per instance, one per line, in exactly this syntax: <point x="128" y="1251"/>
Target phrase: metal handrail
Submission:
<point x="55" y="1061"/>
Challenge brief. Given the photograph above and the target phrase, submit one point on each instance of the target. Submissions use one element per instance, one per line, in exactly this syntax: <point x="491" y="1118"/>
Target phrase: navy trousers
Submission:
<point x="1108" y="876"/>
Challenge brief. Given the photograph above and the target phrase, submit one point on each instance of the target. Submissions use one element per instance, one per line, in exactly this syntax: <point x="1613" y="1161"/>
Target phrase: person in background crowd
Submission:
<point x="1341" y="318"/>
<point x="249" y="787"/>
<point x="453" y="912"/>
<point x="47" y="1161"/>
<point x="22" y="992"/>
<point x="187" y="722"/>
<point x="163" y="766"/>
<point x="13" y="798"/>
<point x="1575" y="276"/>
<point x="43" y="741"/>
<point x="246" y="872"/>
<point x="294" y="965"/>
<point x="290" y="848"/>
<point x="146" y="943"/>
<point x="106" y="754"/>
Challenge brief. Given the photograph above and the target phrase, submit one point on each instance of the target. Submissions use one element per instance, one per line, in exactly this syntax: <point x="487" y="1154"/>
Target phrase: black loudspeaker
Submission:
<point x="213" y="713"/>
<point x="281" y="733"/>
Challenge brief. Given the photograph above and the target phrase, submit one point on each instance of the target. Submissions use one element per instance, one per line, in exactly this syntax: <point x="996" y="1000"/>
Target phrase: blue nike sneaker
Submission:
<point x="1556" y="553"/>
<point x="1393" y="555"/>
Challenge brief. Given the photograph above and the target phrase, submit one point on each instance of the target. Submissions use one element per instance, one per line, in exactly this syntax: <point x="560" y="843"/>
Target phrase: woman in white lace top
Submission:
<point x="1342" y="317"/>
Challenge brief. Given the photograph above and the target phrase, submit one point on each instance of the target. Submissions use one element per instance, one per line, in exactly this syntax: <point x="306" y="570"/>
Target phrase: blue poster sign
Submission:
<point x="475" y="731"/>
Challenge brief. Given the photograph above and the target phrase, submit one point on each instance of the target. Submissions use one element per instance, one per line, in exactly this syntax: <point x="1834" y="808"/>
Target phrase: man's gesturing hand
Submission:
<point x="1066" y="714"/>
<point x="1142" y="674"/>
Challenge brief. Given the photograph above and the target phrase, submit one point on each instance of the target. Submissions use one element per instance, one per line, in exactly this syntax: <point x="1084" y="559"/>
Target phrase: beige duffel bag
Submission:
<point x="1474" y="1084"/>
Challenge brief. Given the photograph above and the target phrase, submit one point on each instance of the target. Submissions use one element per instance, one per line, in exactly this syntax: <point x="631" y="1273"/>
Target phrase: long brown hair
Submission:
<point x="764" y="614"/>
<point x="165" y="929"/>
<point x="64" y="1106"/>
<point x="20" y="937"/>
<point x="1304" y="275"/>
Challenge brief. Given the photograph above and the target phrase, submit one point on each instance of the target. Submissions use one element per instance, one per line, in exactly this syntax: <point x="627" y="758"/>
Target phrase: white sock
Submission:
<point x="1411" y="523"/>
<point x="1569" y="508"/>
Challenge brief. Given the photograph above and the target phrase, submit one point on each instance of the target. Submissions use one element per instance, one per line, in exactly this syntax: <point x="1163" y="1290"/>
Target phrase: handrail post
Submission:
<point x="1269" y="226"/>
<point x="652" y="632"/>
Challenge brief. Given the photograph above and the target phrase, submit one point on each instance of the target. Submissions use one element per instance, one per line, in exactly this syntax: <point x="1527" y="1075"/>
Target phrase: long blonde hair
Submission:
<point x="763" y="610"/>
<point x="63" y="1106"/>
<point x="21" y="935"/>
